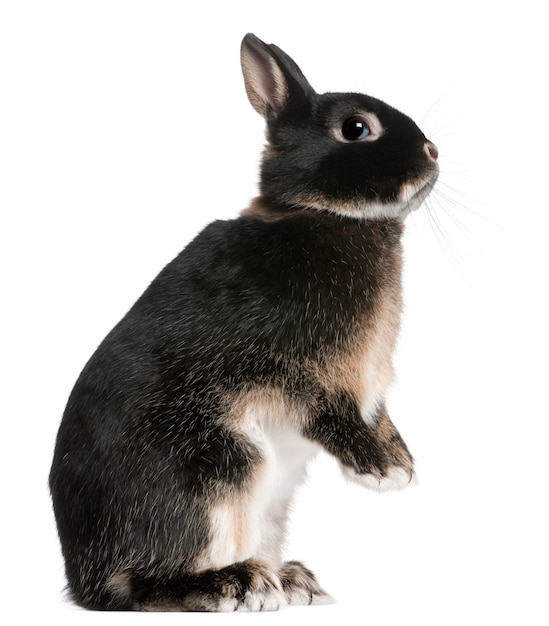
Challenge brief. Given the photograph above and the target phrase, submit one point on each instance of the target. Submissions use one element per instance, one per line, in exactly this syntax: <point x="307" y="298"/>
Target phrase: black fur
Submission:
<point x="145" y="448"/>
<point x="338" y="170"/>
<point x="206" y="590"/>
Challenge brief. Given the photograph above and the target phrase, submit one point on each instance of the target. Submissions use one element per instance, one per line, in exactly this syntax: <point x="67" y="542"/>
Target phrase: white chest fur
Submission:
<point x="286" y="454"/>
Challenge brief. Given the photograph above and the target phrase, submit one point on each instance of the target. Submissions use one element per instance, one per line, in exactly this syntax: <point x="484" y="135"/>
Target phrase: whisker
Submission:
<point x="464" y="202"/>
<point x="452" y="253"/>
<point x="453" y="204"/>
<point x="434" y="107"/>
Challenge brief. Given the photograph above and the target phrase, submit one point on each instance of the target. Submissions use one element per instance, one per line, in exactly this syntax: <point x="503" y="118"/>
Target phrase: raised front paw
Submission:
<point x="381" y="460"/>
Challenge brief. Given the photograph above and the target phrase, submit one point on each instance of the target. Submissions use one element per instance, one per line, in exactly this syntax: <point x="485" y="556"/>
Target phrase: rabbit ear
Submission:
<point x="273" y="80"/>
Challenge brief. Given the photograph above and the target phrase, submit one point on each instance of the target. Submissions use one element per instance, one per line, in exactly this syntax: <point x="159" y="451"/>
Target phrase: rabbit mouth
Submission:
<point x="413" y="195"/>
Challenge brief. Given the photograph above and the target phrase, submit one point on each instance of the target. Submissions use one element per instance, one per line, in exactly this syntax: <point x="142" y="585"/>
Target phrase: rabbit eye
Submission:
<point x="355" y="128"/>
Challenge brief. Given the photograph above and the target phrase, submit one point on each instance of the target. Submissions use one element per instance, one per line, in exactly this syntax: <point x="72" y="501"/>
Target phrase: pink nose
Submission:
<point x="431" y="150"/>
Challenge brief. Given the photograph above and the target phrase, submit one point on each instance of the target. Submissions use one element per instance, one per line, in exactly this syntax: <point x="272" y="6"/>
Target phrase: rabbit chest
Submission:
<point x="352" y="358"/>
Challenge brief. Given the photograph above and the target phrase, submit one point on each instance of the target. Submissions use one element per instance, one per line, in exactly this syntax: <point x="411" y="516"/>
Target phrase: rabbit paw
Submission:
<point x="246" y="586"/>
<point x="392" y="479"/>
<point x="257" y="590"/>
<point x="264" y="592"/>
<point x="300" y="585"/>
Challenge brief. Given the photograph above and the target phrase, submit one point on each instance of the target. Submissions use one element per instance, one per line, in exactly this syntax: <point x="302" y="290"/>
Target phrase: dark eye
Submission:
<point x="355" y="128"/>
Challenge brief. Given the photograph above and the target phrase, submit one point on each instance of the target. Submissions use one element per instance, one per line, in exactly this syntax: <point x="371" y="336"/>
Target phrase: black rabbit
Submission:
<point x="268" y="338"/>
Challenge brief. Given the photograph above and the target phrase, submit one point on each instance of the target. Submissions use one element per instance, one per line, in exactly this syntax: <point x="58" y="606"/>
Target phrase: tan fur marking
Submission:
<point x="261" y="210"/>
<point x="277" y="407"/>
<point x="234" y="527"/>
<point x="120" y="584"/>
<point x="380" y="342"/>
<point x="364" y="370"/>
<point x="221" y="550"/>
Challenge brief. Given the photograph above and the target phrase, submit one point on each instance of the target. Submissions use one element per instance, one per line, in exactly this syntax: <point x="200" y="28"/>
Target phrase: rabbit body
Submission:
<point x="267" y="339"/>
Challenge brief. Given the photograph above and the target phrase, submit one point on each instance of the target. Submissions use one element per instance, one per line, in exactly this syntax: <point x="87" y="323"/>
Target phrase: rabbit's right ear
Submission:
<point x="273" y="80"/>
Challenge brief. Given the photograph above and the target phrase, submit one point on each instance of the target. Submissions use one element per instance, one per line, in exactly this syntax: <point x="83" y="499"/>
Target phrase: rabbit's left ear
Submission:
<point x="273" y="80"/>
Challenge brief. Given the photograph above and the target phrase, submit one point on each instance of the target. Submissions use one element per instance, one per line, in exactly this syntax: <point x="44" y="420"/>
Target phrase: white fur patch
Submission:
<point x="251" y="524"/>
<point x="227" y="605"/>
<point x="286" y="454"/>
<point x="268" y="600"/>
<point x="376" y="380"/>
<point x="397" y="478"/>
<point x="222" y="550"/>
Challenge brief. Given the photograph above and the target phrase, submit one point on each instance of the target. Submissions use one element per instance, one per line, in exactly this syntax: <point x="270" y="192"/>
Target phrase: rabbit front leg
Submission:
<point x="371" y="452"/>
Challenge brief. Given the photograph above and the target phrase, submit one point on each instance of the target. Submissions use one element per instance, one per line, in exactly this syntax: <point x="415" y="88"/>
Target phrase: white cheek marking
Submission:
<point x="411" y="197"/>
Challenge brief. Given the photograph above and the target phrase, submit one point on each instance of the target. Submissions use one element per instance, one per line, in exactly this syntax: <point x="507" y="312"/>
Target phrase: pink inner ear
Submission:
<point x="265" y="82"/>
<point x="274" y="84"/>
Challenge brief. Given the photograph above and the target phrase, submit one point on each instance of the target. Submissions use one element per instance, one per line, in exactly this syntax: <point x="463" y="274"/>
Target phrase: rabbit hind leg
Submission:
<point x="246" y="586"/>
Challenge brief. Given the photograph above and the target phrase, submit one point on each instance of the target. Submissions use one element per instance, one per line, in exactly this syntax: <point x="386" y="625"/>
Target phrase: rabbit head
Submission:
<point x="346" y="153"/>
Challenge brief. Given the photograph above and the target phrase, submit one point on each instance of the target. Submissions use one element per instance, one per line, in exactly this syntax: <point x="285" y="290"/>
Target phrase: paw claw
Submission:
<point x="301" y="586"/>
<point x="396" y="478"/>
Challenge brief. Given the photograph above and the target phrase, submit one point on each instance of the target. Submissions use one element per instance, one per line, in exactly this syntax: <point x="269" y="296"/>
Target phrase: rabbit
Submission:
<point x="267" y="339"/>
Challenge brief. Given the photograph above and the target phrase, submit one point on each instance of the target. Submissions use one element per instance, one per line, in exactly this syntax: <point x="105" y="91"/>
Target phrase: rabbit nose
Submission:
<point x="432" y="150"/>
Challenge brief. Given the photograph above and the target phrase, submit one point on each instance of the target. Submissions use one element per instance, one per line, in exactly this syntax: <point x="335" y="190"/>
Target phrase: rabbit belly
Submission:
<point x="251" y="523"/>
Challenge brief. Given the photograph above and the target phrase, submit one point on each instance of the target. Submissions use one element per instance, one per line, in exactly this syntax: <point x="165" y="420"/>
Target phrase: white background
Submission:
<point x="124" y="129"/>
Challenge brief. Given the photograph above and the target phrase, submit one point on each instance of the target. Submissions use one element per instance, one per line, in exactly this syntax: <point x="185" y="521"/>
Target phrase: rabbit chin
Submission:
<point x="410" y="198"/>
